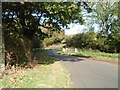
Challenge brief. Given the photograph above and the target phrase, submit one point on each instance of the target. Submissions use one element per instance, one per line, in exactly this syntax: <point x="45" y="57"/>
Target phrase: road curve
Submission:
<point x="88" y="73"/>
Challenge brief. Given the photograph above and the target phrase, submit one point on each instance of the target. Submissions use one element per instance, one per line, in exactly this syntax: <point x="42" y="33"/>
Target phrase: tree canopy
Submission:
<point x="30" y="15"/>
<point x="21" y="22"/>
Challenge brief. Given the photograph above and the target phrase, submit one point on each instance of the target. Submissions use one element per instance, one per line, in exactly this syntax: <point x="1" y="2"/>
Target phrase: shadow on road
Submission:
<point x="81" y="55"/>
<point x="60" y="57"/>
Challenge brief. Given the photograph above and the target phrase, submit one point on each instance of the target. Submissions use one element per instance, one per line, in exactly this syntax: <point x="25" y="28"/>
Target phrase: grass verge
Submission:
<point x="92" y="55"/>
<point x="50" y="74"/>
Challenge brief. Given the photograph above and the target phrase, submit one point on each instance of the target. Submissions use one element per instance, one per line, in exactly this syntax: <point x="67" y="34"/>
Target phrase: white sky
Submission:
<point x="77" y="28"/>
<point x="74" y="29"/>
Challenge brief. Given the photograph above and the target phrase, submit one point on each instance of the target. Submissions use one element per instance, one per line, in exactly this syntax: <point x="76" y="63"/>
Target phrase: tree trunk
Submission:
<point x="2" y="59"/>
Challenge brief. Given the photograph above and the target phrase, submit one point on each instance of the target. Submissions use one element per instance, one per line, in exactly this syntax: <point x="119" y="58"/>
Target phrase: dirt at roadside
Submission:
<point x="103" y="60"/>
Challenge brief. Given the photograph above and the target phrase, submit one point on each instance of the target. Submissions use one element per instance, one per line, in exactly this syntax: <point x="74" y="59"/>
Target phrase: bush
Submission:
<point x="51" y="41"/>
<point x="91" y="40"/>
<point x="21" y="48"/>
<point x="83" y="40"/>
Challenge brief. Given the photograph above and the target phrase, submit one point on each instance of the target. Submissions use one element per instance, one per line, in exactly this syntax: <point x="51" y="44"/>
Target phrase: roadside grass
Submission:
<point x="50" y="74"/>
<point x="91" y="54"/>
<point x="43" y="58"/>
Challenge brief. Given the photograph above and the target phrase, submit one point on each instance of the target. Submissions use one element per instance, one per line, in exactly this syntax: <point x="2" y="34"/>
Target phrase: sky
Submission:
<point x="74" y="29"/>
<point x="77" y="28"/>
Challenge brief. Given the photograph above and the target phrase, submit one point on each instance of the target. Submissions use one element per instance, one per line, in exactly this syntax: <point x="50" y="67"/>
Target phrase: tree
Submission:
<point x="105" y="14"/>
<point x="2" y="65"/>
<point x="82" y="40"/>
<point x="21" y="22"/>
<point x="29" y="16"/>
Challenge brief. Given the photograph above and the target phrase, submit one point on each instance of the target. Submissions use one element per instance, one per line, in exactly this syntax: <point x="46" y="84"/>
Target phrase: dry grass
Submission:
<point x="49" y="73"/>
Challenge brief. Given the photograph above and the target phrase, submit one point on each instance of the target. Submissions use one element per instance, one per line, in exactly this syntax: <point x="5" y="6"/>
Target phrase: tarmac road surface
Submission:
<point x="88" y="73"/>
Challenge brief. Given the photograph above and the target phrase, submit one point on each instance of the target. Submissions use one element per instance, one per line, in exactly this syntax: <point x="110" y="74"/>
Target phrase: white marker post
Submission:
<point x="76" y="50"/>
<point x="63" y="50"/>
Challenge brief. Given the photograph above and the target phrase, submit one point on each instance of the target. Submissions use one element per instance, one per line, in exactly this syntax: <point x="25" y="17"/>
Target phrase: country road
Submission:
<point x="88" y="73"/>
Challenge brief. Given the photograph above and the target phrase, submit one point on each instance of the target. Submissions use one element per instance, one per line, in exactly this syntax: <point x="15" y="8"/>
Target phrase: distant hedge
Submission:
<point x="94" y="41"/>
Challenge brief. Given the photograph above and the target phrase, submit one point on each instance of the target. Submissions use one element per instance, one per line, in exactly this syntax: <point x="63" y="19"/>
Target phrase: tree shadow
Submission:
<point x="84" y="56"/>
<point x="69" y="59"/>
<point x="43" y="58"/>
<point x="61" y="57"/>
